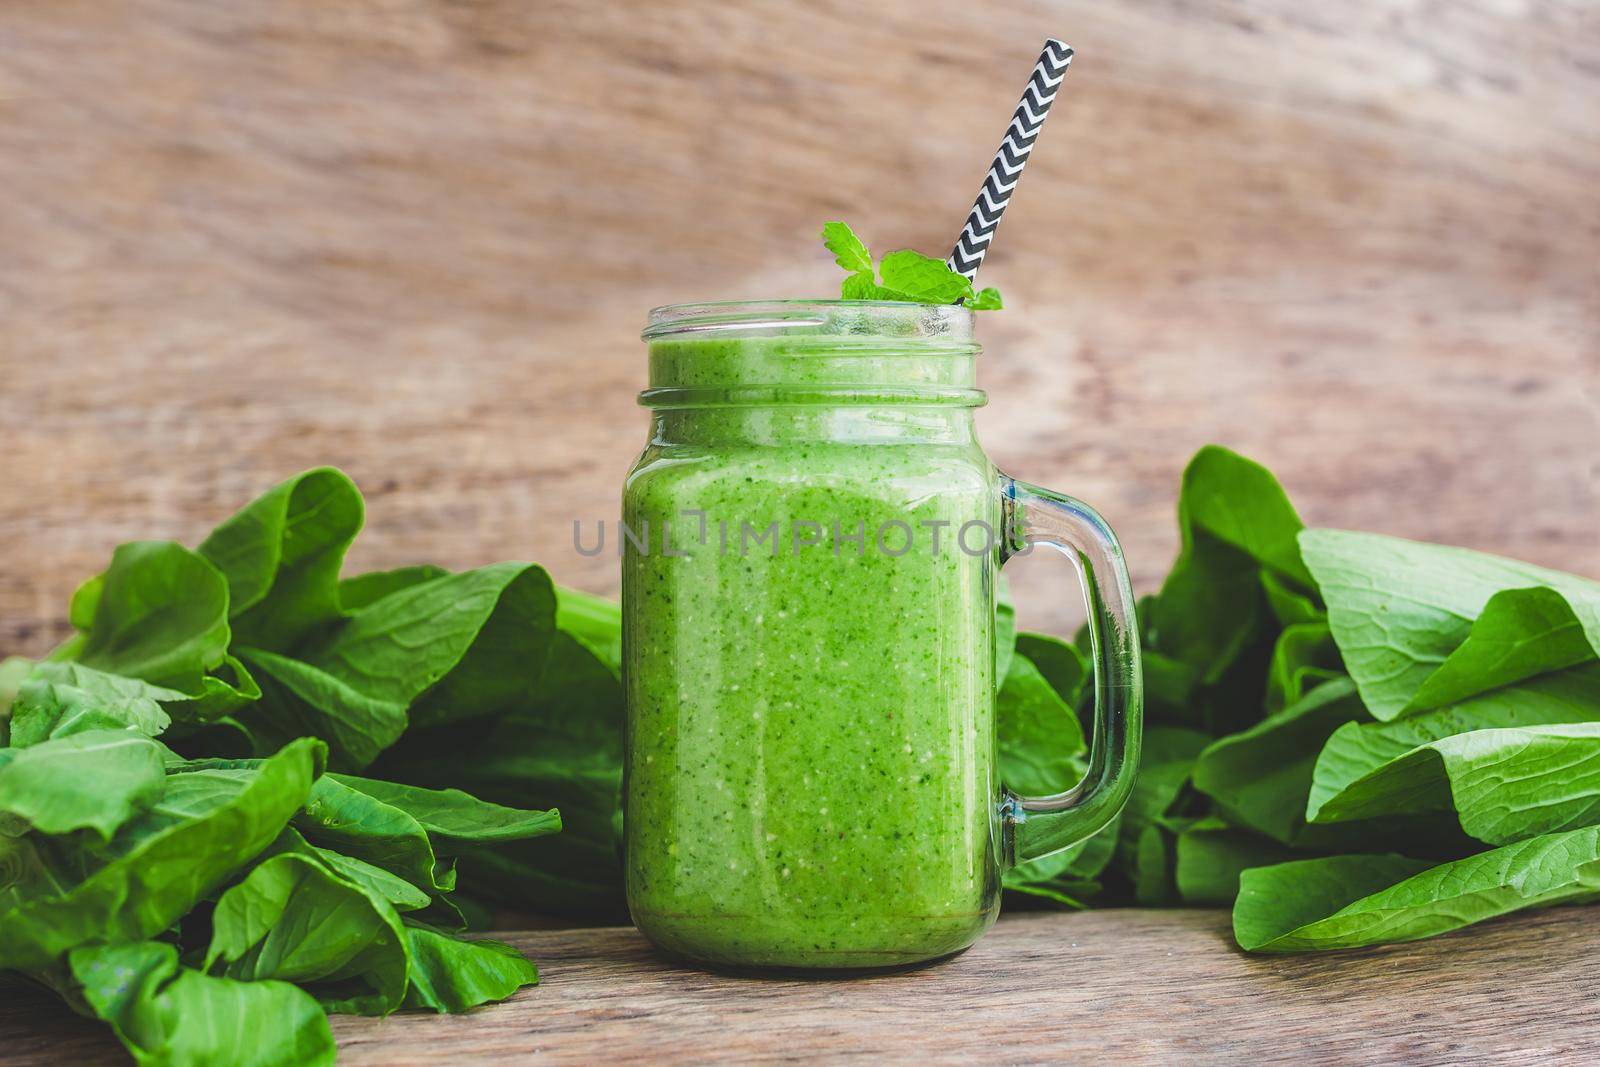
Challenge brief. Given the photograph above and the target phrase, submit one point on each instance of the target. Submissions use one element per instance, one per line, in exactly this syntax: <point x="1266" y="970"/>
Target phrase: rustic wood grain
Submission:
<point x="1105" y="987"/>
<point x="416" y="238"/>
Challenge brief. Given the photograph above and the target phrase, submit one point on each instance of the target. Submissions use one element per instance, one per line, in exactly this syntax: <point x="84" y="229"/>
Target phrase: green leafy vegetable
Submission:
<point x="1353" y="751"/>
<point x="1397" y="696"/>
<point x="1069" y="877"/>
<point x="1211" y="855"/>
<point x="300" y="699"/>
<point x="1260" y="777"/>
<point x="1399" y="608"/>
<point x="159" y="864"/>
<point x="452" y="974"/>
<point x="462" y="642"/>
<point x="1063" y="664"/>
<point x="281" y="556"/>
<point x="391" y="887"/>
<point x="110" y="839"/>
<point x="1522" y="633"/>
<point x="165" y="1014"/>
<point x="1040" y="738"/>
<point x="160" y="614"/>
<point x="362" y="589"/>
<point x="1303" y="658"/>
<point x="293" y="918"/>
<point x="407" y="829"/>
<point x="1505" y="785"/>
<point x="56" y="699"/>
<point x="564" y="748"/>
<point x="594" y="622"/>
<point x="1351" y="901"/>
<point x="1213" y="620"/>
<point x="13" y="670"/>
<point x="1168" y="759"/>
<point x="96" y="780"/>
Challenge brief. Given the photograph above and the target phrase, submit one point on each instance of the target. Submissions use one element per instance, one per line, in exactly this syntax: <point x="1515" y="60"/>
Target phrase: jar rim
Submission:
<point x="896" y="318"/>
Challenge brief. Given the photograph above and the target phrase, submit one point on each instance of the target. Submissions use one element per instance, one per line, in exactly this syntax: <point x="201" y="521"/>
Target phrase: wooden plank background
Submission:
<point x="1104" y="987"/>
<point x="417" y="238"/>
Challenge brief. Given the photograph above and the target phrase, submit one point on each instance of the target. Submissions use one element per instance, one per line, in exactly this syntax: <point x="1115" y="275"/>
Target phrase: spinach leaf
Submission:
<point x="1260" y="778"/>
<point x="362" y="589"/>
<point x="1351" y="901"/>
<point x="1291" y="605"/>
<point x="1211" y="610"/>
<point x="1504" y="785"/>
<point x="1151" y="869"/>
<point x="226" y="689"/>
<point x="1234" y="520"/>
<point x="1031" y="763"/>
<point x="1358" y="749"/>
<point x="408" y="830"/>
<point x="13" y="669"/>
<point x="459" y="646"/>
<point x="1239" y="502"/>
<point x="596" y="622"/>
<point x="1069" y="877"/>
<point x="453" y="818"/>
<point x="57" y="699"/>
<point x="561" y="748"/>
<point x="450" y="974"/>
<point x="293" y="919"/>
<point x="165" y="1014"/>
<point x="281" y="555"/>
<point x="1399" y="608"/>
<point x="1063" y="665"/>
<point x="431" y="650"/>
<point x="1172" y="690"/>
<point x="1211" y="855"/>
<point x="302" y="700"/>
<point x="1303" y="658"/>
<point x="160" y="613"/>
<point x="1169" y="754"/>
<point x="1040" y="738"/>
<point x="207" y="824"/>
<point x="1280" y="907"/>
<point x="96" y="780"/>
<point x="1521" y="633"/>
<point x="391" y="887"/>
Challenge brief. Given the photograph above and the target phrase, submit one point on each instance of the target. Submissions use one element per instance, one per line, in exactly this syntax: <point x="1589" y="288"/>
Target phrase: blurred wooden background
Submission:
<point x="417" y="239"/>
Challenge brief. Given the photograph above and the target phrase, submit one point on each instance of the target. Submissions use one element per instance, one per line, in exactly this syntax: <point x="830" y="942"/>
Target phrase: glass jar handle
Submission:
<point x="1038" y="826"/>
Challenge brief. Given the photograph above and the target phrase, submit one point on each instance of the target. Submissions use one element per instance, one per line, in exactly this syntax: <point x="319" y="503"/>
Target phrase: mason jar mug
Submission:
<point x="811" y="540"/>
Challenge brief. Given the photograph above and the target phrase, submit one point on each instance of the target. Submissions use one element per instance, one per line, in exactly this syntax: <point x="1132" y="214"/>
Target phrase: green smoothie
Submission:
<point x="808" y="648"/>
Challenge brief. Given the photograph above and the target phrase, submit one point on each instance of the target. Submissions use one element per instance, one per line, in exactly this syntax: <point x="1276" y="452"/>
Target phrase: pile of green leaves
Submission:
<point x="903" y="275"/>
<point x="251" y="791"/>
<point x="1352" y="739"/>
<point x="232" y="803"/>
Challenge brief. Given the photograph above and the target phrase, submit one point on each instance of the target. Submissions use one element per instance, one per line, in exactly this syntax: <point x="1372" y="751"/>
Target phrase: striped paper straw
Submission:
<point x="967" y="256"/>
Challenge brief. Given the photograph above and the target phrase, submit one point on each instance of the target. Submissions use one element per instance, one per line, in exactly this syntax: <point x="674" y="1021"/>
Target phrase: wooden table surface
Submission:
<point x="417" y="239"/>
<point x="1106" y="987"/>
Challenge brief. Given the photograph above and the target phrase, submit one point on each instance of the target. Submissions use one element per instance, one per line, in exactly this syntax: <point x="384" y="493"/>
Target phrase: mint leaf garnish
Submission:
<point x="862" y="286"/>
<point x="907" y="275"/>
<point x="986" y="300"/>
<point x="928" y="280"/>
<point x="847" y="249"/>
